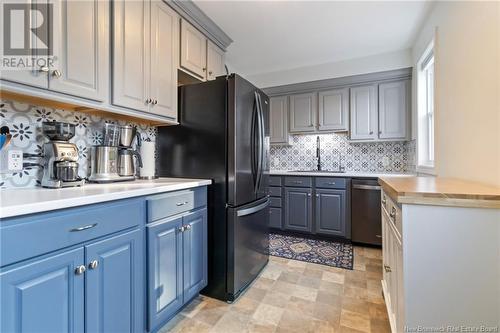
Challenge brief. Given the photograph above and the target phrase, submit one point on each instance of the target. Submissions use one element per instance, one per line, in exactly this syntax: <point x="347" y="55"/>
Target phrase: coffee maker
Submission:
<point x="60" y="156"/>
<point x="113" y="161"/>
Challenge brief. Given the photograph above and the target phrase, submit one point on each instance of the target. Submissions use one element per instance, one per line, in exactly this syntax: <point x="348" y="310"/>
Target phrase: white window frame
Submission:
<point x="426" y="157"/>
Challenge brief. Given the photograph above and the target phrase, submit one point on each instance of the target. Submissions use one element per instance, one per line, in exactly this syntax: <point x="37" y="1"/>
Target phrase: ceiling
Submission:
<point x="279" y="35"/>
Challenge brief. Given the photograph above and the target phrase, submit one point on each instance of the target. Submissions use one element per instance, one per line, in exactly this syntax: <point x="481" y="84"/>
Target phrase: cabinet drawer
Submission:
<point x="298" y="181"/>
<point x="274" y="181"/>
<point x="27" y="237"/>
<point x="329" y="182"/>
<point x="275" y="202"/>
<point x="393" y="211"/>
<point x="275" y="191"/>
<point x="169" y="204"/>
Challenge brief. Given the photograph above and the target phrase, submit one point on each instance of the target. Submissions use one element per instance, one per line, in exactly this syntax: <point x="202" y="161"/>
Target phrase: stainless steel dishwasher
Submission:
<point x="366" y="220"/>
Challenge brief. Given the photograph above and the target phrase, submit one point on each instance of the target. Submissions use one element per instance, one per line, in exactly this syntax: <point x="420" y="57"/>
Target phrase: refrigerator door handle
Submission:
<point x="261" y="141"/>
<point x="252" y="210"/>
<point x="253" y="142"/>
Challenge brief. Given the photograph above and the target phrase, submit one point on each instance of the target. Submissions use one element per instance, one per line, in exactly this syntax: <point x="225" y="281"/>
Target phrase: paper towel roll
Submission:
<point x="147" y="152"/>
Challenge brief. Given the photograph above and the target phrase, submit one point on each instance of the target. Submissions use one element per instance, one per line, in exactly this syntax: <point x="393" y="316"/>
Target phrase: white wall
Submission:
<point x="370" y="64"/>
<point x="467" y="92"/>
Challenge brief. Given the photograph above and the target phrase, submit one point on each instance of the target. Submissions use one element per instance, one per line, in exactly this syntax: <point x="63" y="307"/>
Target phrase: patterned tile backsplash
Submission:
<point x="357" y="157"/>
<point x="25" y="121"/>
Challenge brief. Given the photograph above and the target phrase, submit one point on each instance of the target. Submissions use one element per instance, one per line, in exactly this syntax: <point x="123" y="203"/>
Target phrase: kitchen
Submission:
<point x="250" y="166"/>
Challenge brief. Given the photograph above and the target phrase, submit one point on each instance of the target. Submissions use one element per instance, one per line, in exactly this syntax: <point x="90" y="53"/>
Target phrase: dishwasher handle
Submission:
<point x="366" y="187"/>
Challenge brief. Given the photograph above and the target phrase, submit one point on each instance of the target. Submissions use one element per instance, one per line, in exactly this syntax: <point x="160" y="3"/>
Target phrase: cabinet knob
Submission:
<point x="393" y="213"/>
<point x="44" y="69"/>
<point x="379" y="132"/>
<point x="308" y="194"/>
<point x="387" y="269"/>
<point x="204" y="69"/>
<point x="182" y="229"/>
<point x="148" y="101"/>
<point x="57" y="73"/>
<point x="188" y="227"/>
<point x="80" y="270"/>
<point x="317" y="195"/>
<point x="93" y="264"/>
<point x="371" y="132"/>
<point x="155" y="101"/>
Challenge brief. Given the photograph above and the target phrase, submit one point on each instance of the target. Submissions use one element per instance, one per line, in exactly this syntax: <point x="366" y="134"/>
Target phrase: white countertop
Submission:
<point x="15" y="202"/>
<point x="349" y="174"/>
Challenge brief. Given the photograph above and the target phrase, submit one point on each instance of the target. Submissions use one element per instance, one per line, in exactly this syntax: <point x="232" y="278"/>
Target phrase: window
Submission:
<point x="425" y="108"/>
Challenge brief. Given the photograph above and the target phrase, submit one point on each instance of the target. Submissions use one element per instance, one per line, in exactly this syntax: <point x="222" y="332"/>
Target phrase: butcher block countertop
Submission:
<point x="441" y="192"/>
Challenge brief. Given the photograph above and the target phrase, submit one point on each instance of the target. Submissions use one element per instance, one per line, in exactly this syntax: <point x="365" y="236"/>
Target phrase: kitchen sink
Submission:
<point x="320" y="171"/>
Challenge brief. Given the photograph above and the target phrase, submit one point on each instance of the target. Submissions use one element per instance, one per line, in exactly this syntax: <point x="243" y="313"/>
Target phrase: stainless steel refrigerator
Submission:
<point x="224" y="136"/>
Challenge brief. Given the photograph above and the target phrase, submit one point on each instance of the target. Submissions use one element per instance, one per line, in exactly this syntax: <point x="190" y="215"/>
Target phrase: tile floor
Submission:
<point x="294" y="296"/>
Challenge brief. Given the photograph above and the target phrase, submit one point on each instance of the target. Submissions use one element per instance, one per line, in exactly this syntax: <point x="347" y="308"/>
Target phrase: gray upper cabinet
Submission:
<point x="364" y="113"/>
<point x="81" y="45"/>
<point x="298" y="209"/>
<point x="333" y="110"/>
<point x="164" y="59"/>
<point x="131" y="54"/>
<point x="193" y="50"/>
<point x="145" y="60"/>
<point x="303" y="109"/>
<point x="215" y="61"/>
<point x="278" y="118"/>
<point x="394" y="109"/>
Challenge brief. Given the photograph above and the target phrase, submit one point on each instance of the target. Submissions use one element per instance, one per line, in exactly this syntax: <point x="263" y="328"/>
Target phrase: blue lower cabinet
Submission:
<point x="46" y="295"/>
<point x="330" y="212"/>
<point x="114" y="284"/>
<point x="195" y="253"/>
<point x="298" y="209"/>
<point x="165" y="285"/>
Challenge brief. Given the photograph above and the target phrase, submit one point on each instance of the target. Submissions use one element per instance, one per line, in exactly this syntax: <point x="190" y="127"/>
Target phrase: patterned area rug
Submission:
<point x="323" y="252"/>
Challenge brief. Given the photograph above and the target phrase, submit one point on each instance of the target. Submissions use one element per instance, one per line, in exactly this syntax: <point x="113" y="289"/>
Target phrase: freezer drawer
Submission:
<point x="248" y="250"/>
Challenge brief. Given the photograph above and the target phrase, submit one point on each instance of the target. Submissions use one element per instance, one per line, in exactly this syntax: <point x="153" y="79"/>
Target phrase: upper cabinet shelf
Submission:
<point x="122" y="58"/>
<point x="370" y="107"/>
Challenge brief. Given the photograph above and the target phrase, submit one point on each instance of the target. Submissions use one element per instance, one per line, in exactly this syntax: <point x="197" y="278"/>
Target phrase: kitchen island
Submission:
<point x="441" y="253"/>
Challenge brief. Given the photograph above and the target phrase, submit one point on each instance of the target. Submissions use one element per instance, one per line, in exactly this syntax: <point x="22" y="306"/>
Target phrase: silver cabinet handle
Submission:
<point x="93" y="264"/>
<point x="331" y="183"/>
<point x="378" y="236"/>
<point x="57" y="73"/>
<point x="182" y="229"/>
<point x="297" y="182"/>
<point x="182" y="203"/>
<point x="393" y="213"/>
<point x="80" y="270"/>
<point x="44" y="69"/>
<point x="85" y="227"/>
<point x="188" y="227"/>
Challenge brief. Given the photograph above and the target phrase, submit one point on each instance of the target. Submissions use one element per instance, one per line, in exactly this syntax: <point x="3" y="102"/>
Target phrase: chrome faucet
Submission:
<point x="318" y="153"/>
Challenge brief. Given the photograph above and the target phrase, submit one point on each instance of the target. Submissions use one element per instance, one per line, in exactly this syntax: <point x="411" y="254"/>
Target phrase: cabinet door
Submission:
<point x="114" y="287"/>
<point x="215" y="61"/>
<point x="131" y="54"/>
<point x="275" y="220"/>
<point x="278" y="118"/>
<point x="364" y="114"/>
<point x="44" y="296"/>
<point x="298" y="205"/>
<point x="195" y="253"/>
<point x="81" y="45"/>
<point x="164" y="59"/>
<point x="37" y="76"/>
<point x="165" y="285"/>
<point x="330" y="212"/>
<point x="386" y="250"/>
<point x="303" y="111"/>
<point x="333" y="110"/>
<point x="193" y="50"/>
<point x="393" y="109"/>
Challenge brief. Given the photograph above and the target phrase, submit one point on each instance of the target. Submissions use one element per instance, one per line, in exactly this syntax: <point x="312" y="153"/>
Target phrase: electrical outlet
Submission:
<point x="11" y="160"/>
